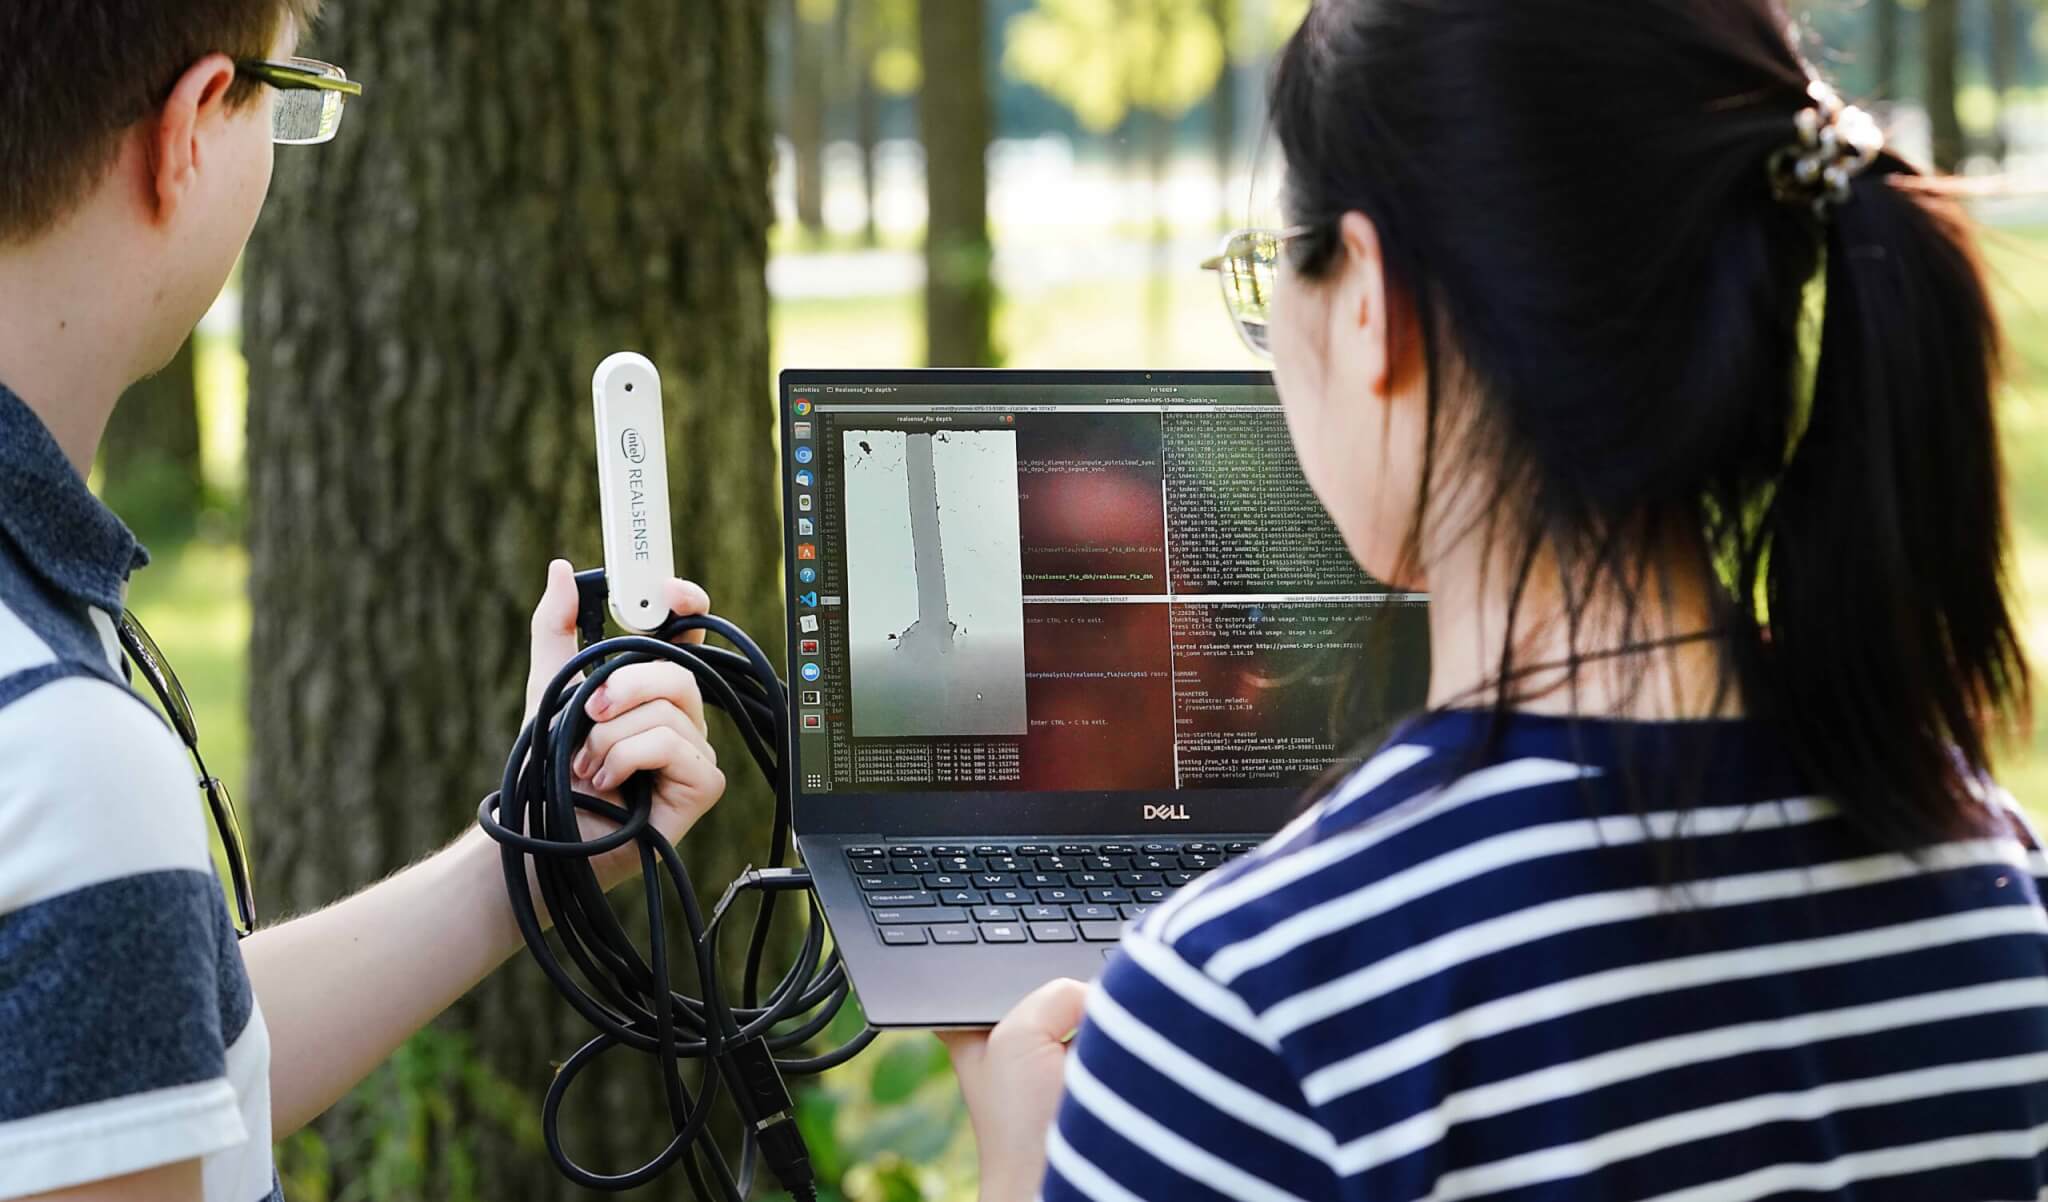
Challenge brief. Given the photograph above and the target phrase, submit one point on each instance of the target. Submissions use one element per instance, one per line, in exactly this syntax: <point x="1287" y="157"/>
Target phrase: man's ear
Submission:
<point x="177" y="136"/>
<point x="1365" y="311"/>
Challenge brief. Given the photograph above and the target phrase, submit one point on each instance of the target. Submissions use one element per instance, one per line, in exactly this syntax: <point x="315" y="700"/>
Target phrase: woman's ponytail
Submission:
<point x="1891" y="655"/>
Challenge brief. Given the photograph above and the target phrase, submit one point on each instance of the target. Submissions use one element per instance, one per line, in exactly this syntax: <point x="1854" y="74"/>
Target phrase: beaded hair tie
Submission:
<point x="1836" y="142"/>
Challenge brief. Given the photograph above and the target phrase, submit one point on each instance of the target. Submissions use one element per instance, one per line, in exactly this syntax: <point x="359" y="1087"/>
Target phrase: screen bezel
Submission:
<point x="992" y="812"/>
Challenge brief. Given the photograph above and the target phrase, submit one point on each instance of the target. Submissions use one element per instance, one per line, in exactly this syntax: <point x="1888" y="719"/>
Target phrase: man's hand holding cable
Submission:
<point x="650" y="718"/>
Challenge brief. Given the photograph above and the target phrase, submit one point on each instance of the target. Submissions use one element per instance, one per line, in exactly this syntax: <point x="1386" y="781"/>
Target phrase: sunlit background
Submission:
<point x="1126" y="135"/>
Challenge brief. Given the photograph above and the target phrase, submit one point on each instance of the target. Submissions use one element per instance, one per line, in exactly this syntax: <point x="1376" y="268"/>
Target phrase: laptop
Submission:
<point x="1060" y="643"/>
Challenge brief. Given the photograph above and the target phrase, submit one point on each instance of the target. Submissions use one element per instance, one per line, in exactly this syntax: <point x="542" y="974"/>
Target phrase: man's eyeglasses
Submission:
<point x="1247" y="265"/>
<point x="310" y="98"/>
<point x="149" y="661"/>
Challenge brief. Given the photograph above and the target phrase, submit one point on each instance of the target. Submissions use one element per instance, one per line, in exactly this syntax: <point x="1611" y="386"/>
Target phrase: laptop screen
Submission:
<point x="1070" y="583"/>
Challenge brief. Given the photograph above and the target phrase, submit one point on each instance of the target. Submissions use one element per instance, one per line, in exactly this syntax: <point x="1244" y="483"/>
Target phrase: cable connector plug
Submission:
<point x="767" y="880"/>
<point x="765" y="1103"/>
<point x="592" y="591"/>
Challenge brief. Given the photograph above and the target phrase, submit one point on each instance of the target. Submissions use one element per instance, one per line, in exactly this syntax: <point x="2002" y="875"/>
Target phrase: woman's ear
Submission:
<point x="1364" y="313"/>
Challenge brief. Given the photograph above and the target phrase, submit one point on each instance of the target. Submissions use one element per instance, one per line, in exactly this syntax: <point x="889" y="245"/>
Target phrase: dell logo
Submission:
<point x="629" y="442"/>
<point x="1166" y="813"/>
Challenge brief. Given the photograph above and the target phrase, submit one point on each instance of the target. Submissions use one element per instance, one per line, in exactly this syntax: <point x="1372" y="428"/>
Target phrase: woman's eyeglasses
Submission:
<point x="310" y="98"/>
<point x="1247" y="265"/>
<point x="149" y="661"/>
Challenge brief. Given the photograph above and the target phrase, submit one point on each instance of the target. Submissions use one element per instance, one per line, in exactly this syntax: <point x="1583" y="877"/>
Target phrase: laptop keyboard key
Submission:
<point x="1102" y="932"/>
<point x="1031" y="849"/>
<point x="897" y="918"/>
<point x="1094" y="913"/>
<point x="1010" y="897"/>
<point x="995" y="880"/>
<point x="1045" y="914"/>
<point x="901" y="936"/>
<point x="1153" y="894"/>
<point x="1109" y="897"/>
<point x="962" y="897"/>
<point x="1043" y="880"/>
<point x="995" y="914"/>
<point x="1052" y="932"/>
<point x="1002" y="932"/>
<point x="1129" y="879"/>
<point x="898" y="901"/>
<point x="1133" y="913"/>
<point x="1090" y="880"/>
<point x="1060" y="897"/>
<point x="866" y="853"/>
<point x="954" y="934"/>
<point x="1004" y="864"/>
<point x="1075" y="849"/>
<point x="875" y="867"/>
<point x="1178" y="878"/>
<point x="890" y="882"/>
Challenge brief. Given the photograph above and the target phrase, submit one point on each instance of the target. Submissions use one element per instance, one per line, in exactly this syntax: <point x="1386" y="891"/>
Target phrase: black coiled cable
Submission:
<point x="630" y="998"/>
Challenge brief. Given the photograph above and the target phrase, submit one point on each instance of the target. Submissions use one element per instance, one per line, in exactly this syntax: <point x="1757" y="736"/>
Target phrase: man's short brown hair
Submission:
<point x="76" y="74"/>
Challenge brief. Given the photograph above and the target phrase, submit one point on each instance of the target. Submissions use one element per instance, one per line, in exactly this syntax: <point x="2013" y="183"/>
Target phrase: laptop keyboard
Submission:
<point x="1026" y="891"/>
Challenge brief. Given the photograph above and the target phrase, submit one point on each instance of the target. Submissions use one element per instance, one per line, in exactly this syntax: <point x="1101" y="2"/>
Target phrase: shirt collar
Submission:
<point x="64" y="533"/>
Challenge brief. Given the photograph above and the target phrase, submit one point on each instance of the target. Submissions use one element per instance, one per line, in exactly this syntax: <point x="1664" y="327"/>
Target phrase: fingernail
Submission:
<point x="580" y="763"/>
<point x="599" y="701"/>
<point x="604" y="779"/>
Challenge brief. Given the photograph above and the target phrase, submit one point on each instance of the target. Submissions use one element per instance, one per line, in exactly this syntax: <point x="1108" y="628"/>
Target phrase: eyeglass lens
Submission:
<point x="1248" y="270"/>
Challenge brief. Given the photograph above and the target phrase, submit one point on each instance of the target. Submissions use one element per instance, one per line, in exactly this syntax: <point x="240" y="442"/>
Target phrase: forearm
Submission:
<point x="342" y="988"/>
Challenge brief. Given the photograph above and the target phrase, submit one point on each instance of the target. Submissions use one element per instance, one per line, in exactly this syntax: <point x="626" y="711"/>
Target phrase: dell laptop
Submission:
<point x="1059" y="643"/>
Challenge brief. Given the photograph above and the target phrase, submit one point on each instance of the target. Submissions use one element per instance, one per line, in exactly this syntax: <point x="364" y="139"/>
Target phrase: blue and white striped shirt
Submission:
<point x="129" y="1035"/>
<point x="1463" y="977"/>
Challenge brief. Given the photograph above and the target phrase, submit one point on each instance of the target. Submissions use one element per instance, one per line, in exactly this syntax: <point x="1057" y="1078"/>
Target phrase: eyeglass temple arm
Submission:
<point x="282" y="76"/>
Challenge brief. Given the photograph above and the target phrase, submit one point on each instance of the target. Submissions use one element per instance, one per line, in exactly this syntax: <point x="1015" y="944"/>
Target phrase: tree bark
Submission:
<point x="525" y="188"/>
<point x="1938" y="43"/>
<point x="954" y="111"/>
<point x="149" y="458"/>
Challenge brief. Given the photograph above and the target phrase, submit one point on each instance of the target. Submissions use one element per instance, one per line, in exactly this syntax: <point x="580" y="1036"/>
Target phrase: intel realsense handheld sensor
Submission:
<point x="632" y="474"/>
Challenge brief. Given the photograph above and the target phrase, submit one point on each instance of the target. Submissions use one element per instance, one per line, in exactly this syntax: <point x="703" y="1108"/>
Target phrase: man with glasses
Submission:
<point x="147" y="1050"/>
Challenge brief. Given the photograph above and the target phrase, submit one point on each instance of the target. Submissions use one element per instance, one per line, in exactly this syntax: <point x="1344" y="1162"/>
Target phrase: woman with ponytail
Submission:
<point x="1615" y="329"/>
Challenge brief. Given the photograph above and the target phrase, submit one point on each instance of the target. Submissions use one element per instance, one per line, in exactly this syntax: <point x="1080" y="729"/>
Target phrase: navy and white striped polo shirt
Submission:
<point x="1470" y="978"/>
<point x="129" y="1037"/>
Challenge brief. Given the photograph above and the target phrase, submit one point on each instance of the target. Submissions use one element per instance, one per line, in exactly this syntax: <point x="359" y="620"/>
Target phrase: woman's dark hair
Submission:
<point x="1573" y="196"/>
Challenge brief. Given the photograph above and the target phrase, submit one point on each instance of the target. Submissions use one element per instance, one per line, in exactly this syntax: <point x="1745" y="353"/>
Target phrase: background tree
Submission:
<point x="954" y="113"/>
<point x="807" y="25"/>
<point x="149" y="459"/>
<point x="1938" y="43"/>
<point x="1116" y="60"/>
<point x="1885" y="33"/>
<point x="527" y="188"/>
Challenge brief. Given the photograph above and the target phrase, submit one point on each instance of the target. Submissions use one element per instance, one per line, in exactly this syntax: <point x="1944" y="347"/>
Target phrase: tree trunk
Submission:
<point x="526" y="188"/>
<point x="1885" y="15"/>
<point x="1938" y="42"/>
<point x="953" y="108"/>
<point x="2006" y="32"/>
<point x="867" y="113"/>
<point x="1223" y="113"/>
<point x="807" y="117"/>
<point x="149" y="458"/>
<point x="1158" y="296"/>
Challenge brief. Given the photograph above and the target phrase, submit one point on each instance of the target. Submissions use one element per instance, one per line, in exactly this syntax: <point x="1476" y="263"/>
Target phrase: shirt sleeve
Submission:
<point x="1173" y="1092"/>
<point x="120" y="985"/>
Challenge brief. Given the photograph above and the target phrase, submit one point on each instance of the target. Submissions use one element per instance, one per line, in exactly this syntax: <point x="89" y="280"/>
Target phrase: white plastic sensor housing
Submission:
<point x="632" y="474"/>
